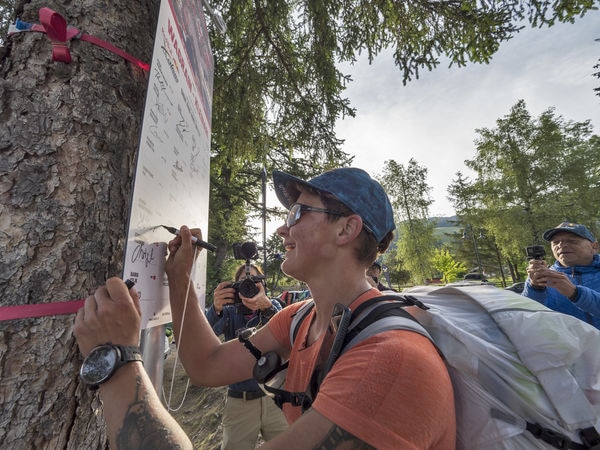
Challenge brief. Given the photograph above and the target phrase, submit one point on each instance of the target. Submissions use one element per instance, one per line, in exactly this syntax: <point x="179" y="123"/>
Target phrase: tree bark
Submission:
<point x="68" y="140"/>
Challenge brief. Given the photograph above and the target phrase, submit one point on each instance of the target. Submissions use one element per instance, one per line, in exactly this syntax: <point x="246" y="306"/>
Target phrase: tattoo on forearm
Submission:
<point x="141" y="430"/>
<point x="340" y="438"/>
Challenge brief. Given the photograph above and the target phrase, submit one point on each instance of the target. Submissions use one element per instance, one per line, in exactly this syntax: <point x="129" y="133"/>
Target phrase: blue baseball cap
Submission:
<point x="570" y="227"/>
<point x="351" y="186"/>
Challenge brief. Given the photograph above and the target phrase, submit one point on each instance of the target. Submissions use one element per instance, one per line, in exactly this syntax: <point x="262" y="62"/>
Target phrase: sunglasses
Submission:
<point x="297" y="209"/>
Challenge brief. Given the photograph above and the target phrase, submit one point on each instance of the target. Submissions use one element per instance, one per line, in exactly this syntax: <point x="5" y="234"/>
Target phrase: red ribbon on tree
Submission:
<point x="59" y="33"/>
<point x="55" y="27"/>
<point x="39" y="310"/>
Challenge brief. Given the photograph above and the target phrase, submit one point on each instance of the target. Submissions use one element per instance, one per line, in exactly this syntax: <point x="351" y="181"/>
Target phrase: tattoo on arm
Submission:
<point x="340" y="438"/>
<point x="141" y="429"/>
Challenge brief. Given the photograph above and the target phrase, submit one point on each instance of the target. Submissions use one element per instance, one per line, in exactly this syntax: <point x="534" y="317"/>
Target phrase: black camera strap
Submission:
<point x="244" y="338"/>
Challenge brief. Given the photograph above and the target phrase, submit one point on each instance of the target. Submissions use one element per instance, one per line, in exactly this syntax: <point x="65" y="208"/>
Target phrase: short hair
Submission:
<point x="368" y="249"/>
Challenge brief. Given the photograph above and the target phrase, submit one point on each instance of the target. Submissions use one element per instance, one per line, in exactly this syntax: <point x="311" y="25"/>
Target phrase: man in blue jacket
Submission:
<point x="572" y="284"/>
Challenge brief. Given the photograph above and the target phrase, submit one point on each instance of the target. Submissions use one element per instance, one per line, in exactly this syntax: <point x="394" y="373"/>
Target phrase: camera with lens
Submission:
<point x="246" y="287"/>
<point x="535" y="252"/>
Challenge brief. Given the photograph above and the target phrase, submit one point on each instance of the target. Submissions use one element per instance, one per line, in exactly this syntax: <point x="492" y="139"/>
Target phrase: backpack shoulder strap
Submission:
<point x="298" y="318"/>
<point x="381" y="314"/>
<point x="369" y="312"/>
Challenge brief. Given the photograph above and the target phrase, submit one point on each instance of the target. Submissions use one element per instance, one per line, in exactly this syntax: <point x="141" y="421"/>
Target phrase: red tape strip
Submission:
<point x="39" y="310"/>
<point x="59" y="33"/>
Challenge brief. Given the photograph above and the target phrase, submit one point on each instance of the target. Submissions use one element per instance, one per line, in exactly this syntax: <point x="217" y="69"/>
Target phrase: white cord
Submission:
<point x="184" y="393"/>
<point x="193" y="271"/>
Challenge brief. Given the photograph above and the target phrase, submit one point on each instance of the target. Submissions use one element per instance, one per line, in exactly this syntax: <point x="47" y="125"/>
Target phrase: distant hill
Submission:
<point x="444" y="222"/>
<point x="444" y="227"/>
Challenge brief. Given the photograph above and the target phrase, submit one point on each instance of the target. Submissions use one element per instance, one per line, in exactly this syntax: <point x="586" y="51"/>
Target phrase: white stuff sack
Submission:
<point x="512" y="361"/>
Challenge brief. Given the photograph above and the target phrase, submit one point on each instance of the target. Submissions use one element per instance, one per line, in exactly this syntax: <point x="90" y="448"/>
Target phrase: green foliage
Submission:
<point x="409" y="194"/>
<point x="275" y="277"/>
<point x="276" y="100"/>
<point x="7" y="8"/>
<point x="444" y="262"/>
<point x="421" y="30"/>
<point x="415" y="248"/>
<point x="396" y="270"/>
<point x="407" y="188"/>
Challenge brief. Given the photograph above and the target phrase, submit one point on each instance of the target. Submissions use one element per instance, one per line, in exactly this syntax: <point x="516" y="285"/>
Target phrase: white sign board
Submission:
<point x="172" y="172"/>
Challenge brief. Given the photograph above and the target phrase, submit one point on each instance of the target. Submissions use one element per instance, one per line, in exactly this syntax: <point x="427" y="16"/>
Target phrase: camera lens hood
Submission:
<point x="248" y="288"/>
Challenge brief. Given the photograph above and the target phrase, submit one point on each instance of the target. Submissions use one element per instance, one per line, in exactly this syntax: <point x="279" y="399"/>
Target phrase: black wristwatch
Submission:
<point x="104" y="360"/>
<point x="574" y="295"/>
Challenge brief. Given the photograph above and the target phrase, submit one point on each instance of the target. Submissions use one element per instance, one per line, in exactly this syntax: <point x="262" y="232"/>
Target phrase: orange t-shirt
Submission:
<point x="392" y="390"/>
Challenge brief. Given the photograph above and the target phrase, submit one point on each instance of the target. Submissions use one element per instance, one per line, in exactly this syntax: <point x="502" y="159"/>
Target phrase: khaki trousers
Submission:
<point x="243" y="420"/>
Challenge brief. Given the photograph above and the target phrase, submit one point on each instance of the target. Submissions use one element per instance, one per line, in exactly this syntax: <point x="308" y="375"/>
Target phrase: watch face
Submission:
<point x="99" y="364"/>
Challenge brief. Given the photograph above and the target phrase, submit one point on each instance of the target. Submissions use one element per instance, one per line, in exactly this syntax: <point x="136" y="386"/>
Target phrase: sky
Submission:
<point x="433" y="119"/>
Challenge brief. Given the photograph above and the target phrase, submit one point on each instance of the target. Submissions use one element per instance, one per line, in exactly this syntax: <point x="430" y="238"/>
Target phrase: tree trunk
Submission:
<point x="68" y="139"/>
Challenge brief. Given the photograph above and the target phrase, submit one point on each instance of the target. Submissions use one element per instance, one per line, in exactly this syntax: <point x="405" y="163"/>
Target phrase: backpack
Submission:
<point x="524" y="376"/>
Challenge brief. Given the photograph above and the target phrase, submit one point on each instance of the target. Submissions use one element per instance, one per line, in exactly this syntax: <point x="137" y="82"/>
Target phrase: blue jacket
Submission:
<point x="229" y="324"/>
<point x="587" y="304"/>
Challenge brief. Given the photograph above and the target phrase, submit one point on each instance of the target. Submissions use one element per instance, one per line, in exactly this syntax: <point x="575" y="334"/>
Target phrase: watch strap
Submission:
<point x="127" y="354"/>
<point x="244" y="338"/>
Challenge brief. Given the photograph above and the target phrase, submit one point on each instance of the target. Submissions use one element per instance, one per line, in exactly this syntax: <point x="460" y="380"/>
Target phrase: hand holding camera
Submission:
<point x="537" y="268"/>
<point x="259" y="301"/>
<point x="223" y="295"/>
<point x="536" y="252"/>
<point x="244" y="292"/>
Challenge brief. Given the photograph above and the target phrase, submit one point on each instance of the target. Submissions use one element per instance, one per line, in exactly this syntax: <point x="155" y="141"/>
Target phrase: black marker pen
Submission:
<point x="199" y="242"/>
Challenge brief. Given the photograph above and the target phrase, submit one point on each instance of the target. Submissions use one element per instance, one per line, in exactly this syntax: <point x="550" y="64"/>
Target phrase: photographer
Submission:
<point x="248" y="410"/>
<point x="572" y="284"/>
